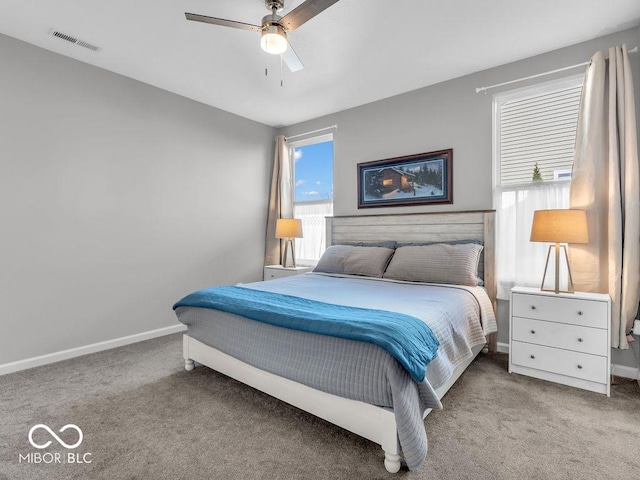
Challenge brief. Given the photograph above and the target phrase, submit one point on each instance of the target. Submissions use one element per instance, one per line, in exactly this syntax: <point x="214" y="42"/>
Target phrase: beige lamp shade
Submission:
<point x="288" y="228"/>
<point x="559" y="226"/>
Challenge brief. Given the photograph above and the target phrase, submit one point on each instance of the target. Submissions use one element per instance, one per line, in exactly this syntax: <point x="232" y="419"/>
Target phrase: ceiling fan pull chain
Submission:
<point x="281" y="79"/>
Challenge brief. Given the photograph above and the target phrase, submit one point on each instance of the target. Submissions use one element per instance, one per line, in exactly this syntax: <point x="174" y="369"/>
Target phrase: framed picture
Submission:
<point x="419" y="179"/>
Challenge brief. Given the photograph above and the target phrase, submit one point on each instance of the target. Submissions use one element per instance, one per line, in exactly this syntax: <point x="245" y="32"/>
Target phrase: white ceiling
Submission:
<point x="355" y="52"/>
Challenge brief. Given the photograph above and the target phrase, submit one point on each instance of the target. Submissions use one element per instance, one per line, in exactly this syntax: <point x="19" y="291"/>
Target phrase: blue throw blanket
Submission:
<point x="408" y="339"/>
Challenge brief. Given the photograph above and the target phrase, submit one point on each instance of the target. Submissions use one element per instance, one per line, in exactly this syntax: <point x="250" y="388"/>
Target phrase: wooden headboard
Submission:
<point x="423" y="227"/>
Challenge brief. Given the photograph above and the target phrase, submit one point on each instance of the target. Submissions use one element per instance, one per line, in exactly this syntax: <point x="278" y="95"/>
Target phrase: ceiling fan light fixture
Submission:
<point x="274" y="39"/>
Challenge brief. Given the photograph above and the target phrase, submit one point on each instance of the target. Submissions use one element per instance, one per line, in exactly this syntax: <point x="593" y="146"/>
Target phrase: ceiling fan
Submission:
<point x="274" y="28"/>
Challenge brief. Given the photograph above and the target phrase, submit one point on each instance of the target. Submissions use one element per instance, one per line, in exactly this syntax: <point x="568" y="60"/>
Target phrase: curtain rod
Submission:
<point x="312" y="132"/>
<point x="484" y="89"/>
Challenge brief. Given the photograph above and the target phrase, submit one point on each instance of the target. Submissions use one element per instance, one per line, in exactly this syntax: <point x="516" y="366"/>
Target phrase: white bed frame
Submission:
<point x="374" y="423"/>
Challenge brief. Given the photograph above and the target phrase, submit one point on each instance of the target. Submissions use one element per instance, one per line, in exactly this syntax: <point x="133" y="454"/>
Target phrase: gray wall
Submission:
<point x="116" y="199"/>
<point x="447" y="115"/>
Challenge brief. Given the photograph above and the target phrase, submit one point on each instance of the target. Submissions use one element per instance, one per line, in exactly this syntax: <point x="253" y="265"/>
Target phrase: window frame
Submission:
<point x="519" y="261"/>
<point x="305" y="142"/>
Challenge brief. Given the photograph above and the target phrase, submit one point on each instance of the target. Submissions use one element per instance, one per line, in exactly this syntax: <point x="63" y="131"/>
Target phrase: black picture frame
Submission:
<point x="420" y="179"/>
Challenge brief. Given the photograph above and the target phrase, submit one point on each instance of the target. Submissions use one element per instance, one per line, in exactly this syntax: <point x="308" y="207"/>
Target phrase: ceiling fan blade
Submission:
<point x="304" y="12"/>
<point x="292" y="61"/>
<point x="221" y="21"/>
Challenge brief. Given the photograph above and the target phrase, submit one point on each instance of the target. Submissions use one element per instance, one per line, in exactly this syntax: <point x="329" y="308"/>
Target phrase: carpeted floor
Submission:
<point x="144" y="417"/>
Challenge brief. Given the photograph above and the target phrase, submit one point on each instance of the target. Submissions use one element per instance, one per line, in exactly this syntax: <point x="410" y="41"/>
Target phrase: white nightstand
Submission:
<point x="278" y="271"/>
<point x="563" y="338"/>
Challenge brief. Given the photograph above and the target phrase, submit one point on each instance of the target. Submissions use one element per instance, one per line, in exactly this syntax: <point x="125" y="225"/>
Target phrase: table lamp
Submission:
<point x="289" y="228"/>
<point x="559" y="226"/>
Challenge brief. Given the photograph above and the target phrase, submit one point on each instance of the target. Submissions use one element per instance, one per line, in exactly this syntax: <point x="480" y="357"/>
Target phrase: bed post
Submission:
<point x="188" y="363"/>
<point x="392" y="462"/>
<point x="328" y="231"/>
<point x="389" y="443"/>
<point x="490" y="282"/>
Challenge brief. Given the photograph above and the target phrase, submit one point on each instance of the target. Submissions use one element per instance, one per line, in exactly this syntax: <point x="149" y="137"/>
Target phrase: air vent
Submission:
<point x="72" y="39"/>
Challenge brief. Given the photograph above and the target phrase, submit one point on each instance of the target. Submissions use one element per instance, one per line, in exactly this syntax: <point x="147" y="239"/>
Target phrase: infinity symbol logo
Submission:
<point x="60" y="441"/>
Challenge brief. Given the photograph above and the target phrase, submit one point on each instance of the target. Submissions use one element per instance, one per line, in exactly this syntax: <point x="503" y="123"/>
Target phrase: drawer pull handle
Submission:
<point x="580" y="312"/>
<point x="580" y="339"/>
<point x="533" y="356"/>
<point x="580" y="367"/>
<point x="533" y="307"/>
<point x="533" y="332"/>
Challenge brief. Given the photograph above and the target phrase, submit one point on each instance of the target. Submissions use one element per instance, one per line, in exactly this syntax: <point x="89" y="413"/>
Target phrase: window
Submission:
<point x="313" y="198"/>
<point x="534" y="139"/>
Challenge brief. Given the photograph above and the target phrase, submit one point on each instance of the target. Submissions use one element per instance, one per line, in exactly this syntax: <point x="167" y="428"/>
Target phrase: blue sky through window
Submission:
<point x="313" y="166"/>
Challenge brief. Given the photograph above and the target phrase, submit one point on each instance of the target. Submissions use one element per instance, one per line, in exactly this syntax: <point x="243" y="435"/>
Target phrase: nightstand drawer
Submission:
<point x="271" y="272"/>
<point x="561" y="335"/>
<point x="589" y="313"/>
<point x="563" y="362"/>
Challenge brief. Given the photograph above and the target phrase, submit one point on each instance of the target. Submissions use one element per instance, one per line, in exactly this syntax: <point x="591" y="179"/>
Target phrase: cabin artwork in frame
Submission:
<point x="419" y="179"/>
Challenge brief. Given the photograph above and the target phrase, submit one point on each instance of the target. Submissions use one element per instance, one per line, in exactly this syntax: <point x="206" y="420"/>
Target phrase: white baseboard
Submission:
<point x="86" y="349"/>
<point x="617" y="370"/>
<point x="624" y="371"/>
<point x="503" y="347"/>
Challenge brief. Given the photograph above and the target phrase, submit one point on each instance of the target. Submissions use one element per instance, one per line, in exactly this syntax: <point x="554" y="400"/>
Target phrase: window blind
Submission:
<point x="537" y="129"/>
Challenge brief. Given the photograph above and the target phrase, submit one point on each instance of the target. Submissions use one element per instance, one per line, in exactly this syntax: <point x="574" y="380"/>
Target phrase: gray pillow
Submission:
<point x="439" y="263"/>
<point x="351" y="260"/>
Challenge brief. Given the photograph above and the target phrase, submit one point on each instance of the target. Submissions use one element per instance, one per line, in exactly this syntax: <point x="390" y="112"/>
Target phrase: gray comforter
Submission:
<point x="459" y="316"/>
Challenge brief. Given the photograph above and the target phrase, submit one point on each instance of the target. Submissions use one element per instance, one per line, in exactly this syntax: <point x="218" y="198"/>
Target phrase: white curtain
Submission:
<point x="605" y="183"/>
<point x="313" y="215"/>
<point x="280" y="200"/>
<point x="519" y="261"/>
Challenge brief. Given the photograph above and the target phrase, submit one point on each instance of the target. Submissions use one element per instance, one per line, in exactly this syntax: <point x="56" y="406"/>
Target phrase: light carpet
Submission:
<point x="144" y="417"/>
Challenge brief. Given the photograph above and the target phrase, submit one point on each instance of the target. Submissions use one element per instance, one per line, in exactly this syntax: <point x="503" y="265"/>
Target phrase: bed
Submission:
<point x="357" y="385"/>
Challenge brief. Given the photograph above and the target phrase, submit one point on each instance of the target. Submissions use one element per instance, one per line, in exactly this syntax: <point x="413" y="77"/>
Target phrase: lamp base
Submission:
<point x="285" y="258"/>
<point x="557" y="272"/>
